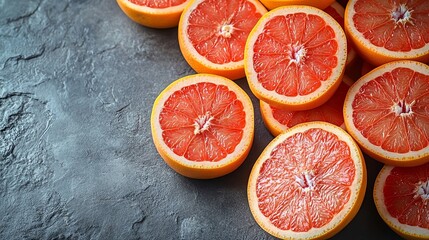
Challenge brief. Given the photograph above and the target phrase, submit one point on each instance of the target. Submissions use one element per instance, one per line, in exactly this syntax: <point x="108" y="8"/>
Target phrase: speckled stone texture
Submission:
<point x="77" y="84"/>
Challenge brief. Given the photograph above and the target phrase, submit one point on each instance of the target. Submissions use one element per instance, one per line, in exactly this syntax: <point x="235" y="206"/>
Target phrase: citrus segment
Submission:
<point x="336" y="11"/>
<point x="401" y="196"/>
<point x="295" y="57"/>
<point x="202" y="125"/>
<point x="157" y="3"/>
<point x="278" y="120"/>
<point x="213" y="33"/>
<point x="385" y="31"/>
<point x="271" y="4"/>
<point x="387" y="112"/>
<point x="308" y="183"/>
<point x="153" y="13"/>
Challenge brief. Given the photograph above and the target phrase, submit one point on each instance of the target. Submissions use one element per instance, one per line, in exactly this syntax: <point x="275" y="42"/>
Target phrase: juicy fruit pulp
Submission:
<point x="309" y="182"/>
<point x="271" y="4"/>
<point x="392" y="112"/>
<point x="393" y="25"/>
<point x="336" y="11"/>
<point x="202" y="122"/>
<point x="218" y="29"/>
<point x="389" y="30"/>
<point x="203" y="125"/>
<point x="157" y="3"/>
<point x="153" y="13"/>
<point x="406" y="195"/>
<point x="312" y="171"/>
<point x="331" y="111"/>
<point x="295" y="57"/>
<point x="401" y="195"/>
<point x="294" y="54"/>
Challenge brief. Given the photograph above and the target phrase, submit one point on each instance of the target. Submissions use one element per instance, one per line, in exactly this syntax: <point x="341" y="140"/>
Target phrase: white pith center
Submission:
<point x="422" y="190"/>
<point x="226" y="30"/>
<point x="202" y="123"/>
<point x="402" y="14"/>
<point x="402" y="108"/>
<point x="306" y="180"/>
<point x="297" y="53"/>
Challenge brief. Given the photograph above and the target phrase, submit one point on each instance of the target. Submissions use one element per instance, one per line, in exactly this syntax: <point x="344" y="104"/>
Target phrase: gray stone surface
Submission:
<point x="77" y="83"/>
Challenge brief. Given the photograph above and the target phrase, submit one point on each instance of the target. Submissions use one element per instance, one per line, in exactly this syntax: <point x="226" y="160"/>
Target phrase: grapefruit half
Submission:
<point x="308" y="183"/>
<point x="203" y="125"/>
<point x="387" y="112"/>
<point x="389" y="30"/>
<point x="401" y="196"/>
<point x="295" y="57"/>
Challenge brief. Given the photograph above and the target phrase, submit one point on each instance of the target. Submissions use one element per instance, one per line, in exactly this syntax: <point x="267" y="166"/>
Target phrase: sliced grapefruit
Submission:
<point x="154" y="13"/>
<point x="202" y="125"/>
<point x="387" y="112"/>
<point x="337" y="12"/>
<point x="213" y="33"/>
<point x="271" y="4"/>
<point x="401" y="196"/>
<point x="279" y="120"/>
<point x="295" y="57"/>
<point x="386" y="30"/>
<point x="308" y="183"/>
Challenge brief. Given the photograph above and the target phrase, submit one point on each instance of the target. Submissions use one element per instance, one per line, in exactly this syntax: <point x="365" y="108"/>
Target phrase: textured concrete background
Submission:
<point x="77" y="83"/>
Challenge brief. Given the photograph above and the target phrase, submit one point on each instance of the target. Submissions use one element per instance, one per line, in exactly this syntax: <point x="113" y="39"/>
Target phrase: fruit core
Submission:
<point x="202" y="123"/>
<point x="305" y="180"/>
<point x="423" y="190"/>
<point x="297" y="53"/>
<point x="401" y="14"/>
<point x="402" y="108"/>
<point x="226" y="30"/>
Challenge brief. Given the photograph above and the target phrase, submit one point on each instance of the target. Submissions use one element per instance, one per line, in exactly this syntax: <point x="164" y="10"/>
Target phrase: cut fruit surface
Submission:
<point x="271" y="4"/>
<point x="401" y="196"/>
<point x="337" y="12"/>
<point x="154" y="13"/>
<point x="278" y="120"/>
<point x="212" y="34"/>
<point x="386" y="30"/>
<point x="308" y="183"/>
<point x="295" y="57"/>
<point x="203" y="125"/>
<point x="387" y="112"/>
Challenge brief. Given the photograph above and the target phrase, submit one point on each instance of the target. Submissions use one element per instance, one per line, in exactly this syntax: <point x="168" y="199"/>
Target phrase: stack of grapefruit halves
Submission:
<point x="387" y="113"/>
